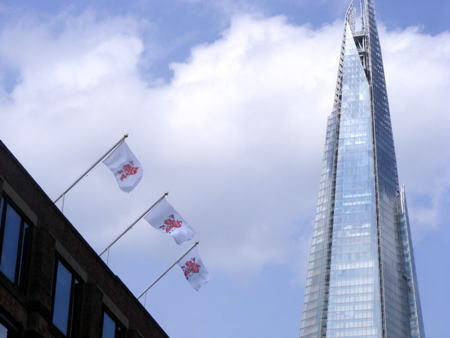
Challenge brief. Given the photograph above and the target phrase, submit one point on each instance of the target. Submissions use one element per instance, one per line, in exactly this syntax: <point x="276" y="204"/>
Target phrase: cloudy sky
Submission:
<point x="225" y="102"/>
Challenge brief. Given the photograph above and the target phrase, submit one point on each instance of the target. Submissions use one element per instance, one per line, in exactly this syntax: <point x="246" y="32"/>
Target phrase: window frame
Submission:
<point x="23" y="248"/>
<point x="120" y="330"/>
<point x="12" y="329"/>
<point x="76" y="286"/>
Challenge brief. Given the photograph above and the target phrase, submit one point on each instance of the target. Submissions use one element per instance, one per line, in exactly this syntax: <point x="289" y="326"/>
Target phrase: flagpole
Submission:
<point x="165" y="272"/>
<point x="133" y="224"/>
<point x="90" y="168"/>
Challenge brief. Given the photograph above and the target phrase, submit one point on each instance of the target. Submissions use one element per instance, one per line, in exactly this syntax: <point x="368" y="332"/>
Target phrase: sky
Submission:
<point x="226" y="105"/>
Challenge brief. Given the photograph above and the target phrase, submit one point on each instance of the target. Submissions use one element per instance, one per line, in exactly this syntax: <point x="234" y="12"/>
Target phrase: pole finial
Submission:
<point x="90" y="168"/>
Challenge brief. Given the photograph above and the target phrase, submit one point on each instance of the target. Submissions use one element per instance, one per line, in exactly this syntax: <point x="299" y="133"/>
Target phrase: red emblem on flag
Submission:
<point x="127" y="170"/>
<point x="190" y="267"/>
<point x="170" y="224"/>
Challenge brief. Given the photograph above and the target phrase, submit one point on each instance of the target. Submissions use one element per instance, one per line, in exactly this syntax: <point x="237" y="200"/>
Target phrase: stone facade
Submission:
<point x="26" y="306"/>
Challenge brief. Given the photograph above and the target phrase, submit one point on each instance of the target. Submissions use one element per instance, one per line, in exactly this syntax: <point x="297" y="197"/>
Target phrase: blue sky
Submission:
<point x="225" y="103"/>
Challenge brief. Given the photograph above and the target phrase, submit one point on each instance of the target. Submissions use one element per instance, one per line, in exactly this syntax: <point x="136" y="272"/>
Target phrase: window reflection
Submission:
<point x="14" y="233"/>
<point x="353" y="301"/>
<point x="3" y="331"/>
<point x="7" y="331"/>
<point x="64" y="299"/>
<point x="11" y="235"/>
<point x="111" y="327"/>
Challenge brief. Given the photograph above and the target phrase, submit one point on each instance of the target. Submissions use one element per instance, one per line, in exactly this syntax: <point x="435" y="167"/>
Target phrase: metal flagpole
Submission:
<point x="165" y="272"/>
<point x="133" y="224"/>
<point x="63" y="203"/>
<point x="90" y="168"/>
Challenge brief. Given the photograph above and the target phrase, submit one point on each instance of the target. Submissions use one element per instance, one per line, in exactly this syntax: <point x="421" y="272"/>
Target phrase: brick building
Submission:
<point x="52" y="283"/>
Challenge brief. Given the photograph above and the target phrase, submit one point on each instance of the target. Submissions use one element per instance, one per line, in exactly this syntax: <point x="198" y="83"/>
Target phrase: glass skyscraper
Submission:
<point x="361" y="279"/>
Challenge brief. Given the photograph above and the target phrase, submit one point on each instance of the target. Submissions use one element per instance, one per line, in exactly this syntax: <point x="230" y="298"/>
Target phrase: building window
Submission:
<point x="65" y="299"/>
<point x="14" y="238"/>
<point x="7" y="329"/>
<point x="111" y="327"/>
<point x="3" y="331"/>
<point x="6" y="332"/>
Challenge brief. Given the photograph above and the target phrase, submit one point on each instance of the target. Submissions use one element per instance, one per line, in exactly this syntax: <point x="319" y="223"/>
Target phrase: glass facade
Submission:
<point x="361" y="278"/>
<point x="353" y="297"/>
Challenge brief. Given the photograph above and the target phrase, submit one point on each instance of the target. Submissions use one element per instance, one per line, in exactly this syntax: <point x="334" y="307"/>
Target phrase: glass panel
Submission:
<point x="109" y="326"/>
<point x="3" y="331"/>
<point x="11" y="237"/>
<point x="61" y="306"/>
<point x="24" y="241"/>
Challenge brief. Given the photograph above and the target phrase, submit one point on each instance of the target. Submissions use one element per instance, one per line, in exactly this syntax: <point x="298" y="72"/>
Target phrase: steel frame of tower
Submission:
<point x="399" y="301"/>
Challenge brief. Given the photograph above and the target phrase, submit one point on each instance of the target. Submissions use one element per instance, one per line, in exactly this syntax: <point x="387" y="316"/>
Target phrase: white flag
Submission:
<point x="194" y="270"/>
<point x="125" y="167"/>
<point x="166" y="219"/>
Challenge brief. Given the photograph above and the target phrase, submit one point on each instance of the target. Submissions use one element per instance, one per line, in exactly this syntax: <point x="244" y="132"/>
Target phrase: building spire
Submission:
<point x="361" y="279"/>
<point x="357" y="14"/>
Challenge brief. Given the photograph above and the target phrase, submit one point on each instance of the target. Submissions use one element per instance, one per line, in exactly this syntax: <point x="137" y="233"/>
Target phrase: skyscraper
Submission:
<point x="361" y="279"/>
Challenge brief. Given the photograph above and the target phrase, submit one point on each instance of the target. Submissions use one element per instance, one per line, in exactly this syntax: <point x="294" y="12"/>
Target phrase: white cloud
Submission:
<point x="236" y="136"/>
<point x="418" y="75"/>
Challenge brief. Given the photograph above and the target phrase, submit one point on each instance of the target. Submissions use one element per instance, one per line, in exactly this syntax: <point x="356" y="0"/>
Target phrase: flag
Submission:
<point x="194" y="270"/>
<point x="166" y="219"/>
<point x="125" y="167"/>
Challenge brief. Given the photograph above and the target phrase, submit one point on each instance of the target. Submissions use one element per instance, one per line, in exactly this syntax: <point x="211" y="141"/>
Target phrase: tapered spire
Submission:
<point x="361" y="279"/>
<point x="356" y="12"/>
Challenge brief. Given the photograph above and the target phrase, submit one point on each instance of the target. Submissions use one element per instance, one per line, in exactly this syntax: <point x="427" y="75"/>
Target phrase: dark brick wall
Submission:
<point x="30" y="306"/>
